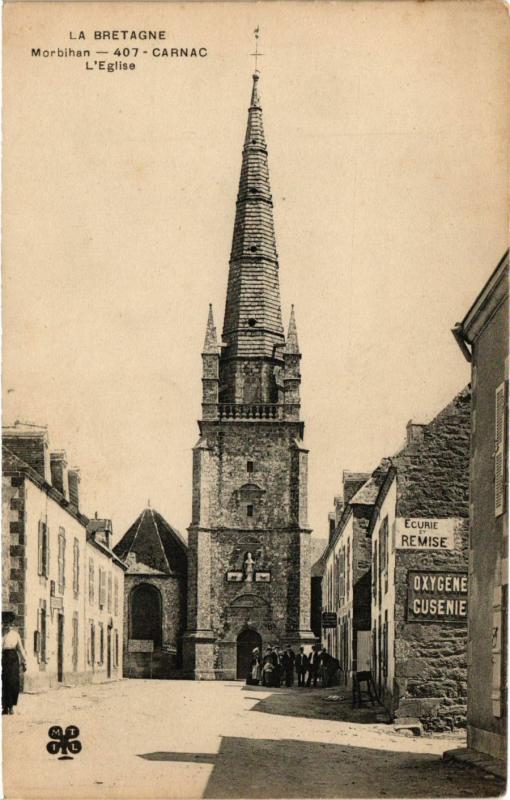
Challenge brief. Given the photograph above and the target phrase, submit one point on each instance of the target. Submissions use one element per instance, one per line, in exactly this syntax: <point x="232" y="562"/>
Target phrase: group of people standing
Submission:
<point x="278" y="667"/>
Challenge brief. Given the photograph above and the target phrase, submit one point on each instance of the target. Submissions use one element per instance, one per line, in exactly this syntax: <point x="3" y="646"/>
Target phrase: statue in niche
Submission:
<point x="248" y="568"/>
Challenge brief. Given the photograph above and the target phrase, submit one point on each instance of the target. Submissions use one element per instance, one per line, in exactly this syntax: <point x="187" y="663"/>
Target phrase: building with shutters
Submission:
<point x="483" y="338"/>
<point x="249" y="541"/>
<point x="59" y="574"/>
<point x="155" y="588"/>
<point x="347" y="574"/>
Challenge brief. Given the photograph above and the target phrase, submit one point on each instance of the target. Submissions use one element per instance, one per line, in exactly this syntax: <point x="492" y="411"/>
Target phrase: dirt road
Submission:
<point x="181" y="739"/>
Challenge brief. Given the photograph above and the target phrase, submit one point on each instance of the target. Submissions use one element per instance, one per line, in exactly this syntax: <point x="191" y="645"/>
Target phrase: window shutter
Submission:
<point x="40" y="549"/>
<point x="499" y="451"/>
<point x="47" y="550"/>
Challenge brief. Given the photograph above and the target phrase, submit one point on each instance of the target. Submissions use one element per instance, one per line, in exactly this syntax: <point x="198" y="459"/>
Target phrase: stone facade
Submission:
<point x="420" y="664"/>
<point x="483" y="337"/>
<point x="249" y="542"/>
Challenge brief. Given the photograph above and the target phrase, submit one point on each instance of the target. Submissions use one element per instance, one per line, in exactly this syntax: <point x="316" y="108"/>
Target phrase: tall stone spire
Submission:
<point x="292" y="344"/>
<point x="211" y="340"/>
<point x="253" y="324"/>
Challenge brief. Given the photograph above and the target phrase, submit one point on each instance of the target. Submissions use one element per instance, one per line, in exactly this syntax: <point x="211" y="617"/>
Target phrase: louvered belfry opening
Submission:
<point x="253" y="337"/>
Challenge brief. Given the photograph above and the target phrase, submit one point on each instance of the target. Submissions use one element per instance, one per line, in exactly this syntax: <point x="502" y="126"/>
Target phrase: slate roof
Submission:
<point x="318" y="556"/>
<point x="368" y="493"/>
<point x="155" y="543"/>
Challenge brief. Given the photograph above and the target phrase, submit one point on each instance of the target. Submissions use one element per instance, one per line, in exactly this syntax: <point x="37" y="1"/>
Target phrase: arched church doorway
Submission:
<point x="246" y="642"/>
<point x="146" y="622"/>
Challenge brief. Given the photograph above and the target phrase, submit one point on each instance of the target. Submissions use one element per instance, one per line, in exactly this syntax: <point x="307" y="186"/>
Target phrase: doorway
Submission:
<point x="60" y="648"/>
<point x="246" y="643"/>
<point x="146" y="619"/>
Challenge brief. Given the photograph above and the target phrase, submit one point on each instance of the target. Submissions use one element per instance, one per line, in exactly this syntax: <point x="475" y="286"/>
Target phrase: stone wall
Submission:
<point x="239" y="509"/>
<point x="430" y="658"/>
<point x="13" y="549"/>
<point x="167" y="659"/>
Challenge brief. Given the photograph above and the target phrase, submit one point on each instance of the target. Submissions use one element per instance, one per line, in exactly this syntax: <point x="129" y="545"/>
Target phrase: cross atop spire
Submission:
<point x="256" y="54"/>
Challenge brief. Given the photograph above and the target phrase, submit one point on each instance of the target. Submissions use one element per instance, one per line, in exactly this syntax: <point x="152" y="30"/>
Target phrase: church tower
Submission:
<point x="249" y="540"/>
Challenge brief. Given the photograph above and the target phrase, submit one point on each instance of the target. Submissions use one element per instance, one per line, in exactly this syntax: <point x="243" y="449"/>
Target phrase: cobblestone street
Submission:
<point x="180" y="739"/>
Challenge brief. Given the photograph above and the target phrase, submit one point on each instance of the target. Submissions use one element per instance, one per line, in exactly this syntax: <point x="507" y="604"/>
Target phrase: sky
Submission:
<point x="387" y="130"/>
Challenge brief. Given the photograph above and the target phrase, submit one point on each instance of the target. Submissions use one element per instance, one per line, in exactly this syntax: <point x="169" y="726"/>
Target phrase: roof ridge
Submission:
<point x="160" y="540"/>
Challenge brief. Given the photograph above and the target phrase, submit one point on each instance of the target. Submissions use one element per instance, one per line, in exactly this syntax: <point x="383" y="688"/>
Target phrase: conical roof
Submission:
<point x="154" y="543"/>
<point x="253" y="323"/>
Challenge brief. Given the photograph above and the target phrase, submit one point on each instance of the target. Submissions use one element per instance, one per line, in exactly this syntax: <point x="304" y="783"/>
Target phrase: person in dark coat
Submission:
<point x="301" y="664"/>
<point x="325" y="667"/>
<point x="12" y="654"/>
<point x="333" y="668"/>
<point x="278" y="667"/>
<point x="288" y="659"/>
<point x="268" y="668"/>
<point x="313" y="665"/>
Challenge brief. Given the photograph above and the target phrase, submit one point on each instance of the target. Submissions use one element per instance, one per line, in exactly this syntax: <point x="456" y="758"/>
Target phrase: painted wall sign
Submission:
<point x="235" y="576"/>
<point x="262" y="577"/>
<point x="437" y="596"/>
<point x="329" y="619"/>
<point x="424" y="534"/>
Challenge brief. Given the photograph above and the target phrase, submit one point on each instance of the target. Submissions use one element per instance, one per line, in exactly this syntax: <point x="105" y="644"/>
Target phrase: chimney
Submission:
<point x="73" y="477"/>
<point x="58" y="466"/>
<point x="352" y="482"/>
<point x="30" y="443"/>
<point x="415" y="432"/>
<point x="332" y="524"/>
<point x="339" y="507"/>
<point x="101" y="530"/>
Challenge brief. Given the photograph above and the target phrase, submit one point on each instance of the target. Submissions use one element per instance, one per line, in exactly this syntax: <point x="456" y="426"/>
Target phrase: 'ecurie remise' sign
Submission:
<point x="424" y="534"/>
<point x="437" y="596"/>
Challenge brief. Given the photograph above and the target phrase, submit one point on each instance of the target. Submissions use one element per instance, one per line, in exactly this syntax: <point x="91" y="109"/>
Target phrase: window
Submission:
<point x="101" y="643"/>
<point x="116" y="649"/>
<point x="249" y="510"/>
<point x="341" y="577"/>
<point x="249" y="467"/>
<point x="102" y="588"/>
<point x="116" y="596"/>
<point x="109" y="606"/>
<point x="76" y="566"/>
<point x="384" y="555"/>
<point x="61" y="560"/>
<point x="75" y="641"/>
<point x="44" y="550"/>
<point x="499" y="451"/>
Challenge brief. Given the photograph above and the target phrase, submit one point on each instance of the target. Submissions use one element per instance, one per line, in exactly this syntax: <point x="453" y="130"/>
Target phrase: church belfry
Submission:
<point x="249" y="541"/>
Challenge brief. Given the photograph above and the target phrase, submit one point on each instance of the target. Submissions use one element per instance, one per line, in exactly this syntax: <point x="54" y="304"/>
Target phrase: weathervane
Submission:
<point x="256" y="54"/>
